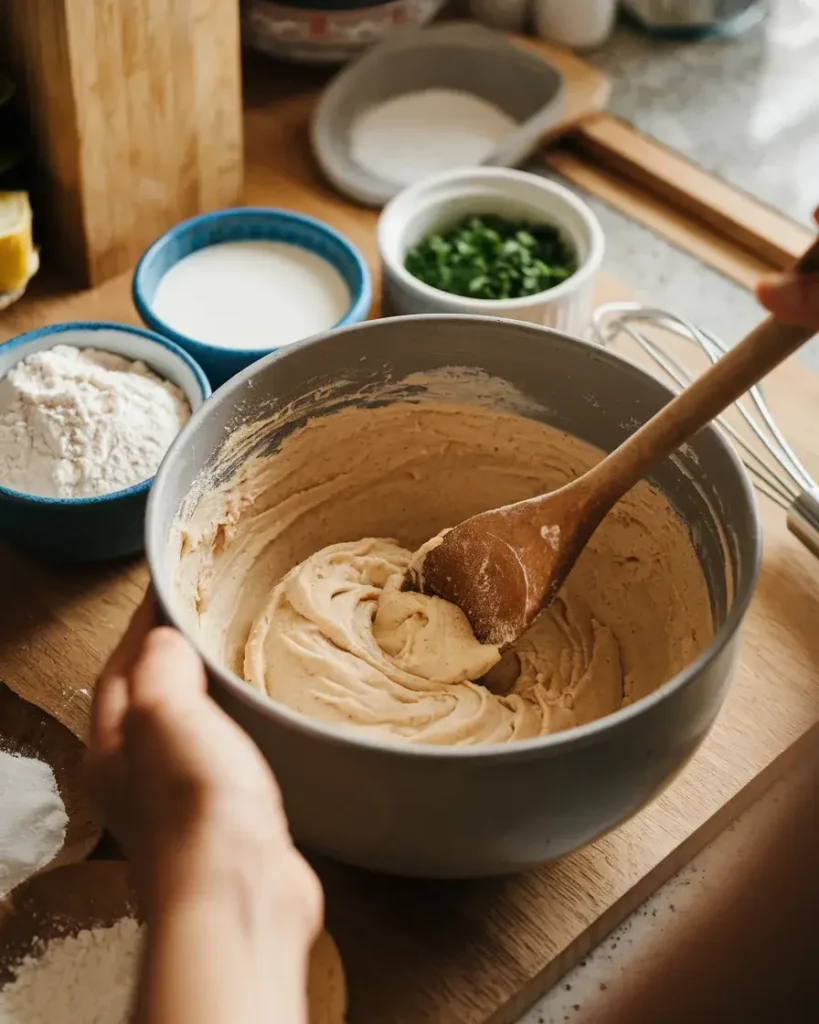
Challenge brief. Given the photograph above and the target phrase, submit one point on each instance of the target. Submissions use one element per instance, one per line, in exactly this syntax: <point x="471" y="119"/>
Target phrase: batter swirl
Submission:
<point x="281" y="589"/>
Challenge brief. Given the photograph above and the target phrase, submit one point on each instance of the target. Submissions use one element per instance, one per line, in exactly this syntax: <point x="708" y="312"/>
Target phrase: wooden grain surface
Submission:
<point x="478" y="952"/>
<point x="135" y="111"/>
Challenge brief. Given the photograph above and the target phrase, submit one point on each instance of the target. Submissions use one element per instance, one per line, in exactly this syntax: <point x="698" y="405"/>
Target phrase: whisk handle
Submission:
<point x="803" y="520"/>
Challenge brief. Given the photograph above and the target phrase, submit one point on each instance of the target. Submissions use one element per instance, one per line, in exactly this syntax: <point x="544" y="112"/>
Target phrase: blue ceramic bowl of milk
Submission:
<point x="230" y="287"/>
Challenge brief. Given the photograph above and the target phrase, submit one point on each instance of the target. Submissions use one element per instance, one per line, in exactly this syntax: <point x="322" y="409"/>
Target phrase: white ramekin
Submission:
<point x="438" y="202"/>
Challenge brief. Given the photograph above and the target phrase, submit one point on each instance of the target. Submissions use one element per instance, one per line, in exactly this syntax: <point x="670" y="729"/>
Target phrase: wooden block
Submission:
<point x="135" y="111"/>
<point x="677" y="184"/>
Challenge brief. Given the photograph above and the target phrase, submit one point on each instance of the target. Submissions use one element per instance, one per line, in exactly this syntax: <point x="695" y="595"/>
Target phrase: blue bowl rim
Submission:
<point x="360" y="302"/>
<point x="101" y="325"/>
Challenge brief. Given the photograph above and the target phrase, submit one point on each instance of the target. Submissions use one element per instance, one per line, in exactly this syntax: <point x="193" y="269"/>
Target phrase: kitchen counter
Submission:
<point x="725" y="939"/>
<point x="746" y="109"/>
<point x="730" y="938"/>
<point x="684" y="95"/>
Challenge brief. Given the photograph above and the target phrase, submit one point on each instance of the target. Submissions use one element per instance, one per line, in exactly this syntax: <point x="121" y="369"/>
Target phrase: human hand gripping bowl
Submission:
<point x="504" y="566"/>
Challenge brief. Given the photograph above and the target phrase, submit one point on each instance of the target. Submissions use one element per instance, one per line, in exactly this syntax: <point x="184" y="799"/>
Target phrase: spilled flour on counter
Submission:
<point x="89" y="978"/>
<point x="32" y="819"/>
<point x="408" y="137"/>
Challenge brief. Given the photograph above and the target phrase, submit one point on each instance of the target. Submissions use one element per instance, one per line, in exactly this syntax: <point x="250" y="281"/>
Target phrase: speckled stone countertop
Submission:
<point x="748" y="110"/>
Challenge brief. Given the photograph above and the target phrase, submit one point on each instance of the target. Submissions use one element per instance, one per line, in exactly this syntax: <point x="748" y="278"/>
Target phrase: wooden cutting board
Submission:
<point x="478" y="952"/>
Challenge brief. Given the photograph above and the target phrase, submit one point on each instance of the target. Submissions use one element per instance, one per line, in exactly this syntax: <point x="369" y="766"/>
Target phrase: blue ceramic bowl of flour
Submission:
<point x="224" y="321"/>
<point x="111" y="525"/>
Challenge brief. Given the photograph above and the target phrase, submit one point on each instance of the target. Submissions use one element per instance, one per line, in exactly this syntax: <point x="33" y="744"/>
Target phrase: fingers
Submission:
<point x="792" y="298"/>
<point x="111" y="692"/>
<point x="142" y="621"/>
<point x="109" y="707"/>
<point x="167" y="667"/>
<point x="103" y="764"/>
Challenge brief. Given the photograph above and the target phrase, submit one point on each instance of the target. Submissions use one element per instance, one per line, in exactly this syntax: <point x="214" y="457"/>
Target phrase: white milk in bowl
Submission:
<point x="251" y="294"/>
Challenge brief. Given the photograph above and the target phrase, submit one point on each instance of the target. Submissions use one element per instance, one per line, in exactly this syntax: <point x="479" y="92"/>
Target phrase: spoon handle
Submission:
<point x="719" y="386"/>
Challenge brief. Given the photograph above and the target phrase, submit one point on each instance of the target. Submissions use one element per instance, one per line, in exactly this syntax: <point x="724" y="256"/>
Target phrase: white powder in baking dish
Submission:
<point x="77" y="423"/>
<point x="87" y="978"/>
<point x="409" y="137"/>
<point x="32" y="819"/>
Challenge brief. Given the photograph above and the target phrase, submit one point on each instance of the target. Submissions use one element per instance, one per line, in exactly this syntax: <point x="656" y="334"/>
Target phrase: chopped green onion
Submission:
<point x="493" y="258"/>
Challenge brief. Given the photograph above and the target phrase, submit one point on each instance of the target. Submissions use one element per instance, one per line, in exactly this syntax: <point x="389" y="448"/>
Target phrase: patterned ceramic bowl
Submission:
<point x="328" y="31"/>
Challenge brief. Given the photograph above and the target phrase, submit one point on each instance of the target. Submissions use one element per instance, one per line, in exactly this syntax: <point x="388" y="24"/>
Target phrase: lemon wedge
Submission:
<point x="18" y="257"/>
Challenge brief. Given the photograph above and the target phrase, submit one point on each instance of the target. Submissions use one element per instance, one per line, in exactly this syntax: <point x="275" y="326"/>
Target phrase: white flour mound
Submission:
<point x="409" y="137"/>
<point x="32" y="819"/>
<point x="77" y="423"/>
<point x="87" y="978"/>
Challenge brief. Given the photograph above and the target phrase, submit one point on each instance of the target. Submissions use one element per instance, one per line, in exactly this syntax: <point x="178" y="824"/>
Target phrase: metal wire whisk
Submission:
<point x="778" y="474"/>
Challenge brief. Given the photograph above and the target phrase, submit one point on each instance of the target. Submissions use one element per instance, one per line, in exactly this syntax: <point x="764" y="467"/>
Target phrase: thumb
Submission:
<point x="792" y="298"/>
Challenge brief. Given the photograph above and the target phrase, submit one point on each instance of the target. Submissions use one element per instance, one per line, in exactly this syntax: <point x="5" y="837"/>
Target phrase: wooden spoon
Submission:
<point x="503" y="567"/>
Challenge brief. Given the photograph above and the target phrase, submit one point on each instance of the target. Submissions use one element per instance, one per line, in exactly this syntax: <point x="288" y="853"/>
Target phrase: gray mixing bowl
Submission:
<point x="460" y="812"/>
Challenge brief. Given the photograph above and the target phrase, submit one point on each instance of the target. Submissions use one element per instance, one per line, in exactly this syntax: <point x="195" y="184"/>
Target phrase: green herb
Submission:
<point x="493" y="258"/>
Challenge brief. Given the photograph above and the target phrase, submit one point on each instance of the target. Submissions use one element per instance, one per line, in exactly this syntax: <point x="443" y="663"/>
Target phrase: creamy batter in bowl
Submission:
<point x="326" y="630"/>
<point x="388" y="755"/>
